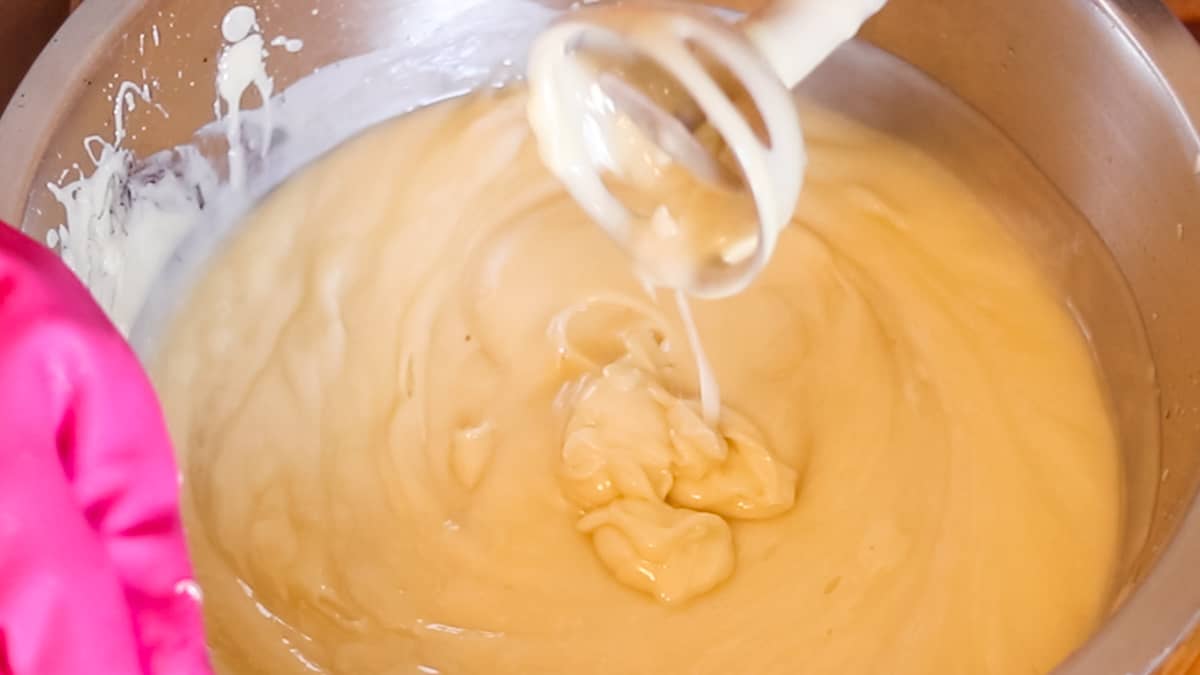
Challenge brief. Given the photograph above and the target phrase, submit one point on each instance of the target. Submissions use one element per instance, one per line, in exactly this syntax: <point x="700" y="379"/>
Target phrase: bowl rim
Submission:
<point x="54" y="79"/>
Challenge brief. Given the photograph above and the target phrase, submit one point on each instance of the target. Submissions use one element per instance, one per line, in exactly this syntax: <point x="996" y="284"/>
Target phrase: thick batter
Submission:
<point x="431" y="423"/>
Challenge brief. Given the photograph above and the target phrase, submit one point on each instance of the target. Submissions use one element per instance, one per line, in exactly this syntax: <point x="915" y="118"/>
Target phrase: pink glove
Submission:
<point x="93" y="566"/>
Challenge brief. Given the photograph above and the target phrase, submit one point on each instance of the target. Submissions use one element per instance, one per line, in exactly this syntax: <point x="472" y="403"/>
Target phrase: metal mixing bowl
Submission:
<point x="1099" y="99"/>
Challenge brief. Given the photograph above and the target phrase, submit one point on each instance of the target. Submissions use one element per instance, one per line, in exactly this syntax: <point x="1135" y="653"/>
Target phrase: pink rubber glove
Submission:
<point x="92" y="553"/>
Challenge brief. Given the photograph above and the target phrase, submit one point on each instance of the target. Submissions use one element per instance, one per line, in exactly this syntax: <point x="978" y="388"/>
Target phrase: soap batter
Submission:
<point x="431" y="423"/>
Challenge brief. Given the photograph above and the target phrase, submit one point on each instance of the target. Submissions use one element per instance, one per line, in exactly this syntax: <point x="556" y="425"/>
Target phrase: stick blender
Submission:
<point x="677" y="132"/>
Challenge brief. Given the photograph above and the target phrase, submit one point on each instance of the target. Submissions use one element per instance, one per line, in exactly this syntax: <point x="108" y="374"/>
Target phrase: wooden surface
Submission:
<point x="1189" y="12"/>
<point x="25" y="27"/>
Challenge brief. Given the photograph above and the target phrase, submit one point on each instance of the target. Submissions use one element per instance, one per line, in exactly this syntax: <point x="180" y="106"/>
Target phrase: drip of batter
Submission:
<point x="431" y="424"/>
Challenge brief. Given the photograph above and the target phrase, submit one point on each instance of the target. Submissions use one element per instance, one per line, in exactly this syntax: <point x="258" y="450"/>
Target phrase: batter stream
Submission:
<point x="432" y="423"/>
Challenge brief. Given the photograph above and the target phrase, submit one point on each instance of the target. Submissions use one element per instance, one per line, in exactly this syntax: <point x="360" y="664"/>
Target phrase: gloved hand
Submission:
<point x="93" y="568"/>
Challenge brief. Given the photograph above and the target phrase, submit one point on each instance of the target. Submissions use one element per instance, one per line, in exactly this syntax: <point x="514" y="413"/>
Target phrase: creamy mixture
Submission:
<point x="431" y="423"/>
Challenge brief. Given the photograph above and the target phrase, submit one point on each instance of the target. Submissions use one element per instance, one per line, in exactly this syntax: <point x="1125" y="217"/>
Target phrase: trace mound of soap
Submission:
<point x="393" y="395"/>
<point x="655" y="481"/>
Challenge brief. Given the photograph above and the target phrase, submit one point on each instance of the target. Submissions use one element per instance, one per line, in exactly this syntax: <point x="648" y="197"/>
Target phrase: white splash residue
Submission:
<point x="238" y="23"/>
<point x="123" y="221"/>
<point x="87" y="241"/>
<point x="242" y="64"/>
<point x="292" y="45"/>
<point x="123" y="102"/>
<point x="190" y="588"/>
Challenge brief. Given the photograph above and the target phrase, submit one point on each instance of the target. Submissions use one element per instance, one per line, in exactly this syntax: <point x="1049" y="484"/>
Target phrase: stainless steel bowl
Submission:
<point x="1081" y="116"/>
